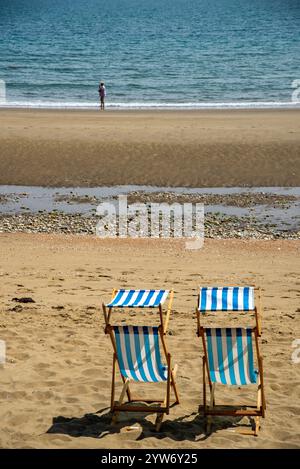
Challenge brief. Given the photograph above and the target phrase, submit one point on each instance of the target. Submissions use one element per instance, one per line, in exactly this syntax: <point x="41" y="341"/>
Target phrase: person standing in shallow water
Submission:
<point x="102" y="94"/>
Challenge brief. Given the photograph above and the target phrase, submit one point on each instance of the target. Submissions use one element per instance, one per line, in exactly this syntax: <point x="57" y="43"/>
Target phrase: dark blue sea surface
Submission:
<point x="156" y="53"/>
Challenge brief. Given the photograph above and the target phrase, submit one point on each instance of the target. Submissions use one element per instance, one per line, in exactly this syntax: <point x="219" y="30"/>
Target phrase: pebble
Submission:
<point x="16" y="309"/>
<point x="24" y="299"/>
<point x="217" y="226"/>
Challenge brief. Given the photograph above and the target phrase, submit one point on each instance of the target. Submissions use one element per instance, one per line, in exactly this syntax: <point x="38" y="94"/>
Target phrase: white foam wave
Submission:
<point x="150" y="105"/>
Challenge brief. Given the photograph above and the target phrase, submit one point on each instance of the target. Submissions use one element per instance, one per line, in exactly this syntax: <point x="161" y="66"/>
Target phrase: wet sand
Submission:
<point x="161" y="148"/>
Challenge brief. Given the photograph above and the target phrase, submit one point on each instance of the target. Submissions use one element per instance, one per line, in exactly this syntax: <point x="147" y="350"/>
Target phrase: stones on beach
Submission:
<point x="23" y="299"/>
<point x="241" y="199"/>
<point x="76" y="199"/>
<point x="16" y="309"/>
<point x="217" y="226"/>
<point x="224" y="223"/>
<point x="3" y="199"/>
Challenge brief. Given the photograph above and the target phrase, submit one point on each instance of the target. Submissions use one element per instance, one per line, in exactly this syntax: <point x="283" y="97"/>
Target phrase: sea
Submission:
<point x="150" y="53"/>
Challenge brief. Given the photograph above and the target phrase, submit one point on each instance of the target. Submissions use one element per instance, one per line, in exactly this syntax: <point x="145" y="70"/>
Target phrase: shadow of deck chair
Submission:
<point x="229" y="360"/>
<point x="226" y="299"/>
<point x="137" y="353"/>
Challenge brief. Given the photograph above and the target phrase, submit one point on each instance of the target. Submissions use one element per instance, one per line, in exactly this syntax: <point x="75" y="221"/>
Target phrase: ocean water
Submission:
<point x="150" y="53"/>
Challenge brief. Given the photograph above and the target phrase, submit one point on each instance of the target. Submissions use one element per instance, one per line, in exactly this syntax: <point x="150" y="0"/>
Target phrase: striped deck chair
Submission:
<point x="137" y="353"/>
<point x="229" y="360"/>
<point x="211" y="299"/>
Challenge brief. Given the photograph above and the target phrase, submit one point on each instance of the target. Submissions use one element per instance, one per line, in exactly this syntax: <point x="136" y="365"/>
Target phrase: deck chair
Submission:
<point x="137" y="354"/>
<point x="212" y="299"/>
<point x="229" y="360"/>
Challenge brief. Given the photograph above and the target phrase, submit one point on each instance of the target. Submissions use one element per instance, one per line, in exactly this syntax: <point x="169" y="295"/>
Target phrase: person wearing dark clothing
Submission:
<point x="102" y="94"/>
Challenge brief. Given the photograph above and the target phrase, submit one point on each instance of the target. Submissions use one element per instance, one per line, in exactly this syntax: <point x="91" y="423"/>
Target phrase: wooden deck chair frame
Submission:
<point x="257" y="311"/>
<point x="163" y="405"/>
<point x="234" y="410"/>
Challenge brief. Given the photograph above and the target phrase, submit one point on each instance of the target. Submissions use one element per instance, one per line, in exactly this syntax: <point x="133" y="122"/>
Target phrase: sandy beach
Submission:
<point x="187" y="177"/>
<point x="55" y="386"/>
<point x="160" y="148"/>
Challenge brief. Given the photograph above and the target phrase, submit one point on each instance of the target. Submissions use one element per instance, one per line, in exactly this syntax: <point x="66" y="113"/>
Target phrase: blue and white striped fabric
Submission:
<point x="226" y="299"/>
<point x="230" y="355"/>
<point x="139" y="298"/>
<point x="138" y="353"/>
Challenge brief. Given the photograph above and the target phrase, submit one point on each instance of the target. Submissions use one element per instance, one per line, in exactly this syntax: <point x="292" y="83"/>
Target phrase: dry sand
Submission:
<point x="58" y="369"/>
<point x="162" y="148"/>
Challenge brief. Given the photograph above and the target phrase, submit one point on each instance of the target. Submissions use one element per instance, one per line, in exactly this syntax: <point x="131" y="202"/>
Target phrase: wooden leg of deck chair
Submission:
<point x="256" y="418"/>
<point x="211" y="405"/>
<point x="173" y="383"/>
<point x="121" y="398"/>
<point x="257" y="426"/>
<point x="263" y="400"/>
<point x="166" y="402"/>
<point x="168" y="383"/>
<point x="259" y="404"/>
<point x="242" y="431"/>
<point x="160" y="416"/>
<point x="204" y="386"/>
<point x="158" y="421"/>
<point x="258" y="322"/>
<point x="112" y="398"/>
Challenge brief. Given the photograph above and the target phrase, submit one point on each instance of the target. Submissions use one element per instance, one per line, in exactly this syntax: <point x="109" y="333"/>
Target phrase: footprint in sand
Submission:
<point x="71" y="400"/>
<point x="21" y="356"/>
<point x="42" y="370"/>
<point x="92" y="372"/>
<point x="43" y="395"/>
<point x="292" y="274"/>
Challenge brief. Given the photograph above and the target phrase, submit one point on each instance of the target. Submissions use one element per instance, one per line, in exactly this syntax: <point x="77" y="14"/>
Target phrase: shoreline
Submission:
<point x="155" y="109"/>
